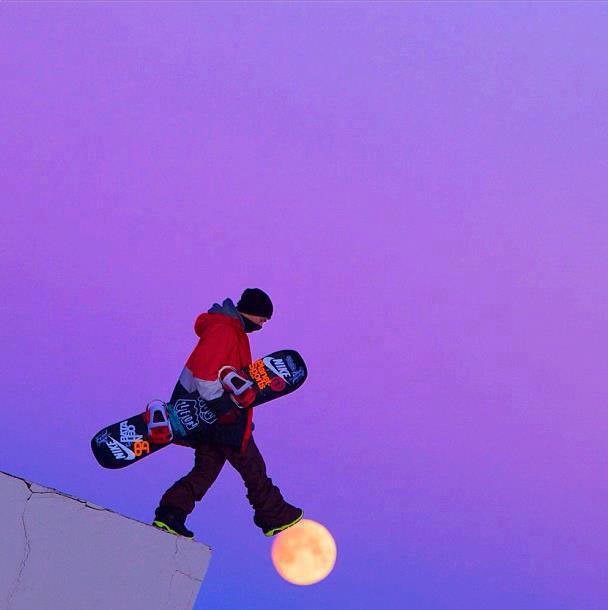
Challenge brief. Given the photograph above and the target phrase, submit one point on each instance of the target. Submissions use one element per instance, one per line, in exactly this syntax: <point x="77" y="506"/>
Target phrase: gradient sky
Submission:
<point x="417" y="186"/>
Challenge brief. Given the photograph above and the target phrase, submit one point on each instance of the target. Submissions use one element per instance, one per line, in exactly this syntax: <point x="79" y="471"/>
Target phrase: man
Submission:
<point x="224" y="342"/>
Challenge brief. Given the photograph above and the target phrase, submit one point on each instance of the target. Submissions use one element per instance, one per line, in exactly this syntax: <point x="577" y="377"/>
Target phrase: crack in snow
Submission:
<point x="193" y="593"/>
<point x="198" y="580"/>
<point x="26" y="555"/>
<point x="42" y="490"/>
<point x="177" y="571"/>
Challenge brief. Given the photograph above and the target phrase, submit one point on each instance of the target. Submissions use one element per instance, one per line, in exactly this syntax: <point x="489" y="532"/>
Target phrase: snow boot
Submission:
<point x="290" y="516"/>
<point x="172" y="520"/>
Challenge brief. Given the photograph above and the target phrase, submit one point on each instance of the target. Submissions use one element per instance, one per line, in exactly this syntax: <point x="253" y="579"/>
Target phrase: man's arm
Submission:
<point x="209" y="390"/>
<point x="218" y="349"/>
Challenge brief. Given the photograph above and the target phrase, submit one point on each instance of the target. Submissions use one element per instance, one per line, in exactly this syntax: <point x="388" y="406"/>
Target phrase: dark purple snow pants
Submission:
<point x="265" y="498"/>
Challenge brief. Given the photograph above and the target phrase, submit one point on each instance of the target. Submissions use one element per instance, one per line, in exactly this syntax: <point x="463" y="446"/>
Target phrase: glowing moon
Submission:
<point x="305" y="553"/>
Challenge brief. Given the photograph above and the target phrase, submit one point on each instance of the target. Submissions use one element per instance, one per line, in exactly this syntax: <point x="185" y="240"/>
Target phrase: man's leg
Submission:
<point x="178" y="501"/>
<point x="272" y="513"/>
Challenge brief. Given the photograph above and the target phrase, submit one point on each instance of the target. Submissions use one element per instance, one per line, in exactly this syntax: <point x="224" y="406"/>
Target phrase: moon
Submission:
<point x="305" y="553"/>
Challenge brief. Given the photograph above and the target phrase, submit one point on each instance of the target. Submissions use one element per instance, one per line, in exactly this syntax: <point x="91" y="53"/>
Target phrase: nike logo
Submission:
<point x="278" y="367"/>
<point x="116" y="448"/>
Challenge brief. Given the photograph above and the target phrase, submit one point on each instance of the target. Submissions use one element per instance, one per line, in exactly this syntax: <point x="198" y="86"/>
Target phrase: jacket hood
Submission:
<point x="226" y="309"/>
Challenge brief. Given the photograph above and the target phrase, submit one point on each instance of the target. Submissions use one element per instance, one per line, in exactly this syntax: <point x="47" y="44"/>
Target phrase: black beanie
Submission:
<point x="256" y="303"/>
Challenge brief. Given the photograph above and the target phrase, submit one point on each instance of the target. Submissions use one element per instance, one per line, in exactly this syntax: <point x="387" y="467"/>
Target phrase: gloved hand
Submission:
<point x="221" y="405"/>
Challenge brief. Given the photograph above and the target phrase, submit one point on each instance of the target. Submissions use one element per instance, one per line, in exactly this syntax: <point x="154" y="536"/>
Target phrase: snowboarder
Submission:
<point x="224" y="341"/>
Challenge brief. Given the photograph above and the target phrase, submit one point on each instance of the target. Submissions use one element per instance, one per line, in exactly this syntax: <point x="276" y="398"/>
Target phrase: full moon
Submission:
<point x="305" y="553"/>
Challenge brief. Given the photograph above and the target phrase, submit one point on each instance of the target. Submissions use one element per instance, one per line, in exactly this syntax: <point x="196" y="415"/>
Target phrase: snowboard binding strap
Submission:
<point x="237" y="386"/>
<point x="157" y="420"/>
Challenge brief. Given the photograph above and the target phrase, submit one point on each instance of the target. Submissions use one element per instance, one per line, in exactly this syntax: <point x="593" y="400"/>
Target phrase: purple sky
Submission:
<point x="417" y="186"/>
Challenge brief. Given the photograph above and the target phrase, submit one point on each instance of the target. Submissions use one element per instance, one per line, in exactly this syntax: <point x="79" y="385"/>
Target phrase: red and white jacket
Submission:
<point x="222" y="341"/>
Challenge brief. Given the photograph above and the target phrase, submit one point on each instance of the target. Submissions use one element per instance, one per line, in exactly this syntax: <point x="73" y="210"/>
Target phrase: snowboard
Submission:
<point x="132" y="439"/>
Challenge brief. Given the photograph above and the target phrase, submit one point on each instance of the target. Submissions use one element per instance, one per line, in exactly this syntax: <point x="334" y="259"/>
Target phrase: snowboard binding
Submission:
<point x="157" y="421"/>
<point x="240" y="389"/>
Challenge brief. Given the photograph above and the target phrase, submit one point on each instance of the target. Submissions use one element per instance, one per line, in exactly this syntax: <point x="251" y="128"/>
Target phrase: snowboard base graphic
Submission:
<point x="132" y="439"/>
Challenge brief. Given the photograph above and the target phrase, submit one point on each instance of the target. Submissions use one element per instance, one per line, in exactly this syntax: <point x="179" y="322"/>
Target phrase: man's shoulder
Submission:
<point x="216" y="325"/>
<point x="223" y="321"/>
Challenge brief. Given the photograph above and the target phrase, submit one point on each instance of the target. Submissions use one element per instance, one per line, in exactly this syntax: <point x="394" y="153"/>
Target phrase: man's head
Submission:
<point x="255" y="307"/>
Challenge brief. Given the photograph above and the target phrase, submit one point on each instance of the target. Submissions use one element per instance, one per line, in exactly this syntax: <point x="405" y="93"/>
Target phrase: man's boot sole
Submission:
<point x="276" y="530"/>
<point x="161" y="525"/>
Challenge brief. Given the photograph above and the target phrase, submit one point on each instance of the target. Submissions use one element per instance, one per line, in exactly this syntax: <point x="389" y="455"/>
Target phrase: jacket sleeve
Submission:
<point x="218" y="348"/>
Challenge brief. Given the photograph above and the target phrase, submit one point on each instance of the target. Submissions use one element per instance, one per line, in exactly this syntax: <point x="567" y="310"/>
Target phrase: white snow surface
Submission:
<point x="58" y="552"/>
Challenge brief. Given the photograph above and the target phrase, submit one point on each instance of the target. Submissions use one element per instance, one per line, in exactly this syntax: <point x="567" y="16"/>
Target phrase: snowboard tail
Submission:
<point x="123" y="443"/>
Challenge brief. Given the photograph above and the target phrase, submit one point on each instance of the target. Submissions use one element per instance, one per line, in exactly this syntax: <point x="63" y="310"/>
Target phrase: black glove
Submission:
<point x="221" y="405"/>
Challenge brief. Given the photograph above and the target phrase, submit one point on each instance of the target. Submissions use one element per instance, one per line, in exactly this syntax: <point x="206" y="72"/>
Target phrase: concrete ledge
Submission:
<point x="62" y="553"/>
